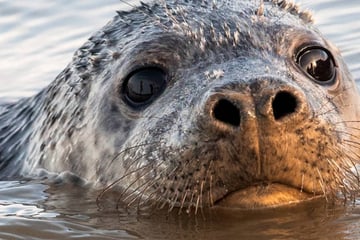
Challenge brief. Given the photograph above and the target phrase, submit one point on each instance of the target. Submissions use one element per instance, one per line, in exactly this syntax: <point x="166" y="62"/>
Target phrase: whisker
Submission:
<point x="110" y="186"/>
<point x="183" y="201"/>
<point x="191" y="203"/>
<point x="173" y="201"/>
<point x="346" y="124"/>
<point x="346" y="133"/>
<point x="322" y="183"/>
<point x="352" y="143"/>
<point x="197" y="204"/>
<point x="302" y="181"/>
<point x="318" y="114"/>
<point x="135" y="190"/>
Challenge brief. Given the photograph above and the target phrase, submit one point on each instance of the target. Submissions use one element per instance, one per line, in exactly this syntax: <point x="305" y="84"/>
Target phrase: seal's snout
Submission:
<point x="246" y="122"/>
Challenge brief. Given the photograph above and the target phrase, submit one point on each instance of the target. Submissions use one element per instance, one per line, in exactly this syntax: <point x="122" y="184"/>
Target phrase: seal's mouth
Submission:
<point x="265" y="196"/>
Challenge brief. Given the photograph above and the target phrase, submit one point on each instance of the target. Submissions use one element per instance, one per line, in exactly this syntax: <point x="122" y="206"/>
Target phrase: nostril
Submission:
<point x="284" y="104"/>
<point x="227" y="112"/>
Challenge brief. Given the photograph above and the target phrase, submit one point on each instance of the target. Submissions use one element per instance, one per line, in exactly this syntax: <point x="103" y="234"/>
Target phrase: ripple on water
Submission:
<point x="38" y="39"/>
<point x="28" y="211"/>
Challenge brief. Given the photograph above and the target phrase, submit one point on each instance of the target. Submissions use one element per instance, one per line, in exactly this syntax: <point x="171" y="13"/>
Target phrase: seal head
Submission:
<point x="190" y="104"/>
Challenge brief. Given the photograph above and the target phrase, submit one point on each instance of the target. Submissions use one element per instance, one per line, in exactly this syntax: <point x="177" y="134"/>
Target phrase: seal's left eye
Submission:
<point x="318" y="63"/>
<point x="144" y="85"/>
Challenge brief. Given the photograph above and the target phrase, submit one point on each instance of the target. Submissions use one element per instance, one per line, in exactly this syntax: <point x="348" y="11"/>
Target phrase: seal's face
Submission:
<point x="239" y="104"/>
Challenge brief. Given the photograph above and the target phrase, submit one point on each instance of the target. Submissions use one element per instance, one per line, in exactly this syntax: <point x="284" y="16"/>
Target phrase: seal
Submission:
<point x="191" y="104"/>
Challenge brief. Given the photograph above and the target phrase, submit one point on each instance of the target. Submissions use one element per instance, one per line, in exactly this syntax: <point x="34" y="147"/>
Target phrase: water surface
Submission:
<point x="37" y="40"/>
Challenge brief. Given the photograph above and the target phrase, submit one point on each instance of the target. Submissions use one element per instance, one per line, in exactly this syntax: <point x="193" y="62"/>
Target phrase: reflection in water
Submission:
<point x="37" y="41"/>
<point x="67" y="218"/>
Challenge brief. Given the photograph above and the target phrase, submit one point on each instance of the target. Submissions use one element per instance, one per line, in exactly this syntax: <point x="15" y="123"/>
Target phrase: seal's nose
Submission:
<point x="267" y="106"/>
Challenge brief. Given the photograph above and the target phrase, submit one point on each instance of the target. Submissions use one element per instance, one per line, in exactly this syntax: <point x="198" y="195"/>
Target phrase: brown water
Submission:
<point x="37" y="39"/>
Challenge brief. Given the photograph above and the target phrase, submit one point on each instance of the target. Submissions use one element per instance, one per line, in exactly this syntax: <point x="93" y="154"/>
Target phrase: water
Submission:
<point x="37" y="40"/>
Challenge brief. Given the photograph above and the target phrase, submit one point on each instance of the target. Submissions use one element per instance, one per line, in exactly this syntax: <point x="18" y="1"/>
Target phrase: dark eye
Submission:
<point x="318" y="63"/>
<point x="144" y="85"/>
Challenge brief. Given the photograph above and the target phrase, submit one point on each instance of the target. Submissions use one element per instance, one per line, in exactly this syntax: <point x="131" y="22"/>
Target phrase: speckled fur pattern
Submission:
<point x="173" y="152"/>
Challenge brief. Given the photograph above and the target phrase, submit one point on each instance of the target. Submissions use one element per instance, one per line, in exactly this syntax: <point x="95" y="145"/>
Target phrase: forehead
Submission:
<point x="181" y="14"/>
<point x="212" y="21"/>
<point x="212" y="25"/>
<point x="207" y="12"/>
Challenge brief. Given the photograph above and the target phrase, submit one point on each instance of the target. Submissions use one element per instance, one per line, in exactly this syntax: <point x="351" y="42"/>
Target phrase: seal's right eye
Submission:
<point x="144" y="85"/>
